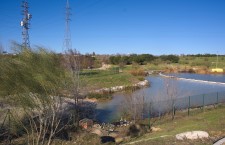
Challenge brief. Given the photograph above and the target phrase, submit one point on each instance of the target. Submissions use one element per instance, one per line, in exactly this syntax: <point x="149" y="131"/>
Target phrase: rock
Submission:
<point x="117" y="88"/>
<point x="113" y="134"/>
<point x="154" y="129"/>
<point x="98" y="126"/>
<point x="86" y="123"/>
<point x="192" y="135"/>
<point x="142" y="83"/>
<point x="118" y="140"/>
<point x="120" y="88"/>
<point x="97" y="131"/>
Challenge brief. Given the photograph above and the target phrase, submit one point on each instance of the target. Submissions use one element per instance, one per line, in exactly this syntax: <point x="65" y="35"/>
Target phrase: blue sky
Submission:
<point x="121" y="26"/>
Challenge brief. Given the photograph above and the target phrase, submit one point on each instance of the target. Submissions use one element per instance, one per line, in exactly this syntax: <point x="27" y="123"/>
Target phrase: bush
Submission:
<point x="191" y="70"/>
<point x="138" y="72"/>
<point x="137" y="130"/>
<point x="170" y="58"/>
<point x="141" y="78"/>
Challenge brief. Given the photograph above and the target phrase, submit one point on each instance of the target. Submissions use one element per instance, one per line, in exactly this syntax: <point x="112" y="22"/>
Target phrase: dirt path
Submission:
<point x="220" y="142"/>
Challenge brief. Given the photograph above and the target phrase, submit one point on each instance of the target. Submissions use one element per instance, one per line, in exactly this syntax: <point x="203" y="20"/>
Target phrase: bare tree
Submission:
<point x="43" y="117"/>
<point x="71" y="61"/>
<point x="133" y="107"/>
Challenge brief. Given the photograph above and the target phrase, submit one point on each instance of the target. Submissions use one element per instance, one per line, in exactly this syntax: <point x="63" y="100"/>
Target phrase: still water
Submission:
<point x="161" y="89"/>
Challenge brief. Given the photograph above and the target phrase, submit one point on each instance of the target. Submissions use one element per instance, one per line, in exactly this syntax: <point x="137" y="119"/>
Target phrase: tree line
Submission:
<point x="141" y="59"/>
<point x="203" y="55"/>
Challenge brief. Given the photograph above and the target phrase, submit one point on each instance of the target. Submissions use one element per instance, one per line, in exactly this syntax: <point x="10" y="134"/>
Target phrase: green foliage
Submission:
<point x="141" y="78"/>
<point x="170" y="58"/>
<point x="35" y="80"/>
<point x="115" y="59"/>
<point x="37" y="72"/>
<point x="204" y="55"/>
<point x="140" y="59"/>
<point x="98" y="79"/>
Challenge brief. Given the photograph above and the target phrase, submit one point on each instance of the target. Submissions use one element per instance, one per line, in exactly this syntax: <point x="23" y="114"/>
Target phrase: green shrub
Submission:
<point x="141" y="78"/>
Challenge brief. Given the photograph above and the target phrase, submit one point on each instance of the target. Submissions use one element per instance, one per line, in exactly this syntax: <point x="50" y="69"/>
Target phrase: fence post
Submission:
<point x="203" y="103"/>
<point x="173" y="111"/>
<point x="217" y="98"/>
<point x="149" y="125"/>
<point x="189" y="104"/>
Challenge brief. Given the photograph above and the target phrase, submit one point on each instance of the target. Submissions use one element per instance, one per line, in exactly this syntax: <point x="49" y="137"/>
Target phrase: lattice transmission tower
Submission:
<point x="25" y="24"/>
<point x="73" y="59"/>
<point x="67" y="40"/>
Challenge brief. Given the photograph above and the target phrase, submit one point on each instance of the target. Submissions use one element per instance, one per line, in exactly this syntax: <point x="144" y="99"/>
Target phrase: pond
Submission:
<point x="164" y="89"/>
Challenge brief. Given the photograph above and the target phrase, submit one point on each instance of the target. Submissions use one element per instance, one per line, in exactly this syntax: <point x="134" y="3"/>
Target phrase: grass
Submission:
<point x="97" y="79"/>
<point x="203" y="61"/>
<point x="211" y="121"/>
<point x="187" y="62"/>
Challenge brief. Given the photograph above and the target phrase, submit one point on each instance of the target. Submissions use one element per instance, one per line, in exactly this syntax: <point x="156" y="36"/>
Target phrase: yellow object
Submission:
<point x="218" y="70"/>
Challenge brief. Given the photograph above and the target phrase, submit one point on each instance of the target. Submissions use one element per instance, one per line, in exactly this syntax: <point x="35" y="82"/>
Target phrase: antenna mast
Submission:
<point x="25" y="24"/>
<point x="67" y="42"/>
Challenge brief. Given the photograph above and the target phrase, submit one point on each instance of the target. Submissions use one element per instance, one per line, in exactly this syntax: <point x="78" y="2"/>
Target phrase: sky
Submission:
<point x="120" y="26"/>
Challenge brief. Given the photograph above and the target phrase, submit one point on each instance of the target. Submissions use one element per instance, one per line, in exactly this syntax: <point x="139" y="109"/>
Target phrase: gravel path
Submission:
<point x="220" y="142"/>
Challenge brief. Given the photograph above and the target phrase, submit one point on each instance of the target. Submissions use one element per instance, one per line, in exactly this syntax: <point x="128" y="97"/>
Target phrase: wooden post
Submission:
<point x="203" y="102"/>
<point x="189" y="104"/>
<point x="149" y="116"/>
<point x="217" y="98"/>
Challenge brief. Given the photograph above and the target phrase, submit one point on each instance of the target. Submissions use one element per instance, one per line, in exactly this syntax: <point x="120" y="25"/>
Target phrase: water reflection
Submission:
<point x="162" y="89"/>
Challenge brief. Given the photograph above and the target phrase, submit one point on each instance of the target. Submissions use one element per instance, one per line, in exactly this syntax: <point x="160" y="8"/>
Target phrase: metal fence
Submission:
<point x="131" y="111"/>
<point x="152" y="109"/>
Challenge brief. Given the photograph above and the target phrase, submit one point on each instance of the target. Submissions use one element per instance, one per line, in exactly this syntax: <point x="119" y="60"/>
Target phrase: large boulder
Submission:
<point x="192" y="135"/>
